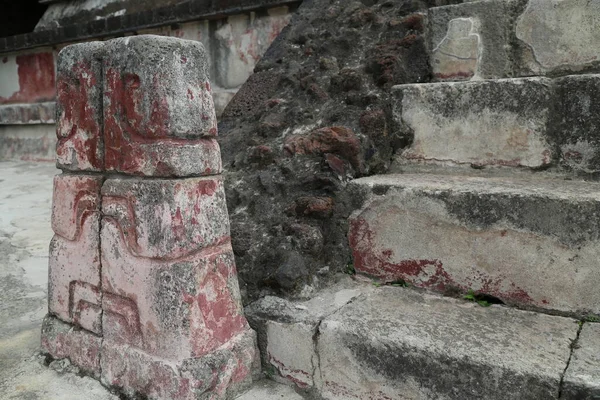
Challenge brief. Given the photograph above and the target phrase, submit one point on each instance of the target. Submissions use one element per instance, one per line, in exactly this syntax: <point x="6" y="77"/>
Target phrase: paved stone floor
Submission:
<point x="25" y="233"/>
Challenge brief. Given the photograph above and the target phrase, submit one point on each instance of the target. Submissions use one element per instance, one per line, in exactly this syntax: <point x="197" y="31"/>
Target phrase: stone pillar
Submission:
<point x="143" y="291"/>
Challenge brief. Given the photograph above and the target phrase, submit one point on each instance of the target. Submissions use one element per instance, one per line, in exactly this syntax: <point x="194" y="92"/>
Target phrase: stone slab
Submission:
<point x="158" y="108"/>
<point x="512" y="38"/>
<point x="527" y="242"/>
<point x="28" y="114"/>
<point x="582" y="378"/>
<point x="28" y="143"/>
<point x="74" y="263"/>
<point x="495" y="123"/>
<point x="79" y="108"/>
<point x="399" y="343"/>
<point x="269" y="390"/>
<point x="558" y="37"/>
<point x="286" y="331"/>
<point x="575" y="130"/>
<point x="469" y="40"/>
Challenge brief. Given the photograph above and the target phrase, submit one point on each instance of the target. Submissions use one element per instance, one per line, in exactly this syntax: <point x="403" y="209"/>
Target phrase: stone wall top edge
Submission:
<point x="113" y="26"/>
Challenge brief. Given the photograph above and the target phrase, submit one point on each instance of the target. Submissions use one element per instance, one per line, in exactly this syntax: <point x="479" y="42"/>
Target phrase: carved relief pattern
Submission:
<point x="143" y="267"/>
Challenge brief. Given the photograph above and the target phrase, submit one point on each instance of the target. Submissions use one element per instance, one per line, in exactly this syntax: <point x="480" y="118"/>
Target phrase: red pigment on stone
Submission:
<point x="36" y="79"/>
<point x="221" y="315"/>
<point x="80" y="113"/>
<point x="206" y="187"/>
<point x="377" y="264"/>
<point x="119" y="154"/>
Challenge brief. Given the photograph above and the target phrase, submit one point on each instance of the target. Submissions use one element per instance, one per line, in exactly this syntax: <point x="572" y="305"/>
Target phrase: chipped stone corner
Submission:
<point x="288" y="332"/>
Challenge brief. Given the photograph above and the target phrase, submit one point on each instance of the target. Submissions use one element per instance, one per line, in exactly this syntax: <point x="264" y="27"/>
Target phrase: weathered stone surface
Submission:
<point x="28" y="143"/>
<point x="576" y="122"/>
<point x="222" y="374"/>
<point x="526" y="242"/>
<point x="269" y="390"/>
<point x="469" y="40"/>
<point x="169" y="280"/>
<point x="158" y="108"/>
<point x="167" y="219"/>
<point x="582" y="378"/>
<point x="559" y="36"/>
<point x="501" y="122"/>
<point x="241" y="41"/>
<point x="79" y="108"/>
<point x="74" y="264"/>
<point x="402" y="344"/>
<point x="174" y="310"/>
<point x="286" y="331"/>
<point x="82" y="348"/>
<point x="28" y="114"/>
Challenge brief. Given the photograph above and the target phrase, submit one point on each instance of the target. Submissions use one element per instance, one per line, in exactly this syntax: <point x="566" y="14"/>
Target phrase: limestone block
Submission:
<point x="222" y="374"/>
<point x="74" y="263"/>
<point x="287" y="331"/>
<point x="81" y="347"/>
<point x="558" y="36"/>
<point x="470" y="40"/>
<point x="576" y="123"/>
<point x="403" y="344"/>
<point x="79" y="108"/>
<point x="241" y="41"/>
<point x="158" y="108"/>
<point x="582" y="377"/>
<point x="500" y="122"/>
<point x="527" y="242"/>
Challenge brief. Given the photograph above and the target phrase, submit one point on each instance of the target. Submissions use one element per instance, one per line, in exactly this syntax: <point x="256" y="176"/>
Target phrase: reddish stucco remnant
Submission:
<point x="337" y="140"/>
<point x="159" y="117"/>
<point x="143" y="267"/>
<point x="388" y="266"/>
<point x="74" y="264"/>
<point x="36" y="78"/>
<point x="79" y="108"/>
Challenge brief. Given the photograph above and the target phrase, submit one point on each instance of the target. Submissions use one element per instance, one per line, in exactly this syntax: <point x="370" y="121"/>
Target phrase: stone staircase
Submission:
<point x="495" y="201"/>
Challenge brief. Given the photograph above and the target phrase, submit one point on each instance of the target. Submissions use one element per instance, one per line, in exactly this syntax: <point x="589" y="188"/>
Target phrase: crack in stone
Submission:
<point x="573" y="347"/>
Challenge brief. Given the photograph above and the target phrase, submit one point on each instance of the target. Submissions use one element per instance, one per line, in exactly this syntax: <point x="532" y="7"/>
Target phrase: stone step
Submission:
<point x="400" y="343"/>
<point x="503" y="38"/>
<point x="523" y="122"/>
<point x="531" y="243"/>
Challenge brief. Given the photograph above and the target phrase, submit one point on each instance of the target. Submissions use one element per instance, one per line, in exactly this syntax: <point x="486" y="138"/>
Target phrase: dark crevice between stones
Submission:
<point x="573" y="346"/>
<point x="100" y="217"/>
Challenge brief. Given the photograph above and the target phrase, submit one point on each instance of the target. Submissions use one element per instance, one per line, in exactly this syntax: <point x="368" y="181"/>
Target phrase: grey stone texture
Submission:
<point x="528" y="242"/>
<point x="79" y="119"/>
<point x="286" y="331"/>
<point x="577" y="124"/>
<point x="499" y="122"/>
<point x="558" y="37"/>
<point x="401" y="344"/>
<point x="468" y="41"/>
<point x="505" y="38"/>
<point x="166" y="79"/>
<point x="520" y="122"/>
<point x="582" y="378"/>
